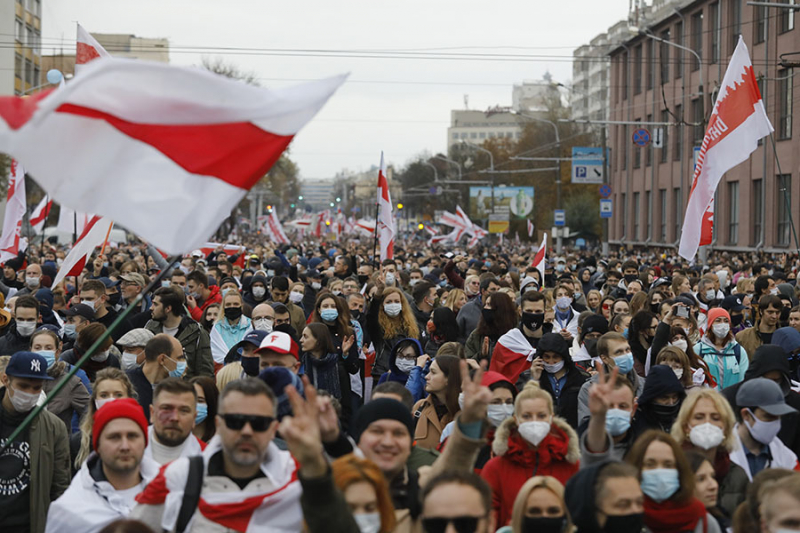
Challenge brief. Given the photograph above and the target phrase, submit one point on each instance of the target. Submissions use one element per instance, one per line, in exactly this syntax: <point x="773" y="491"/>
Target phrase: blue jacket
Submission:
<point x="394" y="373"/>
<point x="728" y="365"/>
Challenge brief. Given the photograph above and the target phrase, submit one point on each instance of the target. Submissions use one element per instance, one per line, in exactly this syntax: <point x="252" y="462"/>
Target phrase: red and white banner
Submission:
<point x="737" y="122"/>
<point x="93" y="236"/>
<point x="274" y="230"/>
<point x="512" y="355"/>
<point x="386" y="228"/>
<point x="70" y="221"/>
<point x="541" y="257"/>
<point x="530" y="228"/>
<point x="367" y="226"/>
<point x="87" y="49"/>
<point x="197" y="138"/>
<point x="228" y="249"/>
<point x="15" y="212"/>
<point x="40" y="213"/>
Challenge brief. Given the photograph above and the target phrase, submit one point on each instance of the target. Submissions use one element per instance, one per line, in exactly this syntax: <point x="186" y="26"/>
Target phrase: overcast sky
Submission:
<point x="401" y="106"/>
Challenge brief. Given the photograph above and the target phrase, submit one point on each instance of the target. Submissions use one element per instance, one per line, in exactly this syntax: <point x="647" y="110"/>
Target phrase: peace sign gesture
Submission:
<point x="476" y="396"/>
<point x="599" y="392"/>
<point x="301" y="431"/>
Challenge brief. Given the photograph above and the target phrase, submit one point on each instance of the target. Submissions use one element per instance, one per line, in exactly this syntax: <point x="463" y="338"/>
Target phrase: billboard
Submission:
<point x="514" y="202"/>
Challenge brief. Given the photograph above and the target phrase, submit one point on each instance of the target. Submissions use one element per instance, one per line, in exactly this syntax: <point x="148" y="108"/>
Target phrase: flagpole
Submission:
<point x="785" y="196"/>
<point x="105" y="241"/>
<point x="92" y="349"/>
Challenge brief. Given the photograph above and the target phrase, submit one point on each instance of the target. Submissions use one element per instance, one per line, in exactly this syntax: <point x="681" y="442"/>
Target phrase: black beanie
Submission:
<point x="594" y="324"/>
<point x="382" y="409"/>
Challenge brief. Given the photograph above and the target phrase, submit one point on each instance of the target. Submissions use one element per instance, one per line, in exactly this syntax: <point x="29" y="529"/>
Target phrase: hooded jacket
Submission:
<point x="394" y="373"/>
<point x="516" y="461"/>
<point x="660" y="381"/>
<point x="566" y="401"/>
<point x="248" y="296"/>
<point x="579" y="496"/>
<point x="214" y="297"/>
<point x="789" y="339"/>
<point x="769" y="358"/>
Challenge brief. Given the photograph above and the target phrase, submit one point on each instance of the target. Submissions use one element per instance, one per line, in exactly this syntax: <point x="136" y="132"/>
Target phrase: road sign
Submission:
<point x="641" y="137"/>
<point x="605" y="191"/>
<point x="606" y="208"/>
<point x="658" y="138"/>
<point x="560" y="218"/>
<point x="587" y="164"/>
<point x="435" y="190"/>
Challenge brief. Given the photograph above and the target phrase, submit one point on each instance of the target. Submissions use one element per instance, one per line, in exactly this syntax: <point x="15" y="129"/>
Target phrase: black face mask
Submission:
<point x="532" y="321"/>
<point x="113" y="299"/>
<point x="591" y="346"/>
<point x="118" y="265"/>
<point x="736" y="320"/>
<point x="785" y="314"/>
<point x="655" y="308"/>
<point x="665" y="413"/>
<point x="233" y="313"/>
<point x="488" y="315"/>
<point x="251" y="365"/>
<point x="543" y="525"/>
<point x="630" y="277"/>
<point x="362" y="279"/>
<point x="356" y="315"/>
<point x="627" y="523"/>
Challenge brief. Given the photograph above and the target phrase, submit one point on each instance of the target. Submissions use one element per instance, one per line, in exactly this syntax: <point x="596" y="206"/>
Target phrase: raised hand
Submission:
<point x="301" y="431"/>
<point x="485" y="348"/>
<point x="537" y="367"/>
<point x="347" y="343"/>
<point x="328" y="419"/>
<point x="476" y="396"/>
<point x="422" y="360"/>
<point x="600" y="391"/>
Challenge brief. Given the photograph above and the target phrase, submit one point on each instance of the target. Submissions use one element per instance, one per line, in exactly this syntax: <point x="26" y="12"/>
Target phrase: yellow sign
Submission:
<point x="498" y="226"/>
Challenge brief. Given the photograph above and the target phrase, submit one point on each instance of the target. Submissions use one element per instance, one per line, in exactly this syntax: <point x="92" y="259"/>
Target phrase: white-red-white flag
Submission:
<point x="540" y="257"/>
<point x="737" y="122"/>
<point x="386" y="228"/>
<point x="530" y="229"/>
<point x="93" y="236"/>
<point x="195" y="137"/>
<point x="71" y="221"/>
<point x="512" y="355"/>
<point x="40" y="213"/>
<point x="274" y="229"/>
<point x="87" y="49"/>
<point x="15" y="212"/>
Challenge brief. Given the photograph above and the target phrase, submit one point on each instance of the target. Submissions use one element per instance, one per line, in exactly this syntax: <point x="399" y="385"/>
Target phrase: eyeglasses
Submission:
<point x="463" y="524"/>
<point x="237" y="422"/>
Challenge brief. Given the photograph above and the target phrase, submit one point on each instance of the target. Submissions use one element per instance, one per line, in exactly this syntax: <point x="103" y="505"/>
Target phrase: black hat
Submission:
<point x="81" y="310"/>
<point x="594" y="324"/>
<point x="382" y="409"/>
<point x="732" y="303"/>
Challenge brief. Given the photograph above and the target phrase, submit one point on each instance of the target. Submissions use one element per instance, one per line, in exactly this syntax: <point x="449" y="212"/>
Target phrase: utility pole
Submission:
<point x="604" y="144"/>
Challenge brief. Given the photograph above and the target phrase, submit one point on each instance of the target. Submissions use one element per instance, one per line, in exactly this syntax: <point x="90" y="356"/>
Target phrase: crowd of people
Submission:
<point x="306" y="387"/>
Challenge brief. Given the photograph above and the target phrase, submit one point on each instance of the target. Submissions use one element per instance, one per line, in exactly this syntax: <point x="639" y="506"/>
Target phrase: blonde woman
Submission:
<point x="389" y="320"/>
<point x="540" y="506"/>
<point x="705" y="424"/>
<point x="455" y="300"/>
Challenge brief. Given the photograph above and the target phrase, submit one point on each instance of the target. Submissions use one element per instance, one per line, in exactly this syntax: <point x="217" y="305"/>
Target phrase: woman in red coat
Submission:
<point x="531" y="443"/>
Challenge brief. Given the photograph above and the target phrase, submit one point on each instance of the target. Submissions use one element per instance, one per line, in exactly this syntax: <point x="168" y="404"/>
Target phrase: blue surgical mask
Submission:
<point x="660" y="484"/>
<point x="202" y="413"/>
<point x="329" y="315"/>
<point x="179" y="370"/>
<point x="624" y="363"/>
<point x="49" y="356"/>
<point x="625" y="333"/>
<point x="617" y="422"/>
<point x="69" y="331"/>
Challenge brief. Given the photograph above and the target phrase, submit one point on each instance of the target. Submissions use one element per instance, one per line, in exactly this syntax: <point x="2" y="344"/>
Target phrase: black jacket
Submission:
<point x="12" y="342"/>
<point x="144" y="389"/>
<point x="566" y="402"/>
<point x="768" y="358"/>
<point x="579" y="496"/>
<point x="660" y="381"/>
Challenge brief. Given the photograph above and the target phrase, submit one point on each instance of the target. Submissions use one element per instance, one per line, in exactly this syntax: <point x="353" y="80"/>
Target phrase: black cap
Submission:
<point x="81" y="310"/>
<point x="313" y="273"/>
<point x="27" y="365"/>
<point x="732" y="303"/>
<point x="594" y="324"/>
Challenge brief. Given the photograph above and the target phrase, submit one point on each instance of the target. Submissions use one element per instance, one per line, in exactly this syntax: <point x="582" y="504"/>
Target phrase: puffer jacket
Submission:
<point x="516" y="461"/>
<point x="727" y="366"/>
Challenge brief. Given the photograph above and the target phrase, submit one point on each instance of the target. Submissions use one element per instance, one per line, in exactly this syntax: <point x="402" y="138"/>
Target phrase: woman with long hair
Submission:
<point x="676" y="359"/>
<point x="606" y="307"/>
<point x="680" y="284"/>
<point x="205" y="425"/>
<point x="705" y="424"/>
<point x="442" y="327"/>
<point x="667" y="481"/>
<point x="366" y="493"/>
<point x="230" y="328"/>
<point x="727" y="361"/>
<point x="498" y="316"/>
<point x="110" y="384"/>
<point x="540" y="508"/>
<point x="390" y="319"/>
<point x="533" y="442"/>
<point x="638" y="303"/>
<point x="641" y="333"/>
<point x="432" y="414"/>
<point x="456" y="299"/>
<point x="334" y="313"/>
<point x="210" y="316"/>
<point x="324" y="365"/>
<point x="593" y="299"/>
<point x="706" y="487"/>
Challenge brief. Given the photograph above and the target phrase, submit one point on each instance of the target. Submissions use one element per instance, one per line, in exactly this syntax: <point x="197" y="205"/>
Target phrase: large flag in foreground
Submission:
<point x="166" y="151"/>
<point x="15" y="212"/>
<point x="93" y="236"/>
<point x="386" y="229"/>
<point x="737" y="122"/>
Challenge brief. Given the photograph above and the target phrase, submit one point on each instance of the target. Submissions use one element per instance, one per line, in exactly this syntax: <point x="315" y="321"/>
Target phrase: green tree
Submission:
<point x="582" y="211"/>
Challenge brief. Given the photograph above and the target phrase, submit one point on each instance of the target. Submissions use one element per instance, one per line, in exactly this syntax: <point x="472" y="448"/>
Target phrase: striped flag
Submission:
<point x="40" y="213"/>
<point x="540" y="257"/>
<point x="15" y="212"/>
<point x="93" y="236"/>
<point x="386" y="228"/>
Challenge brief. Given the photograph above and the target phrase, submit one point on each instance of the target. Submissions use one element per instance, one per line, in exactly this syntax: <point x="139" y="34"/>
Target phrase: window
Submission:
<point x="37" y="42"/>
<point x="637" y="69"/>
<point x="29" y="71"/>
<point x="649" y="206"/>
<point x="735" y="21"/>
<point x="665" y="136"/>
<point x="18" y="66"/>
<point x="637" y="152"/>
<point x="636" y="216"/>
<point x="648" y="154"/>
<point x="19" y="28"/>
<point x="473" y="135"/>
<point x="651" y="64"/>
<point x="663" y="202"/>
<point x="785" y="82"/>
<point x="784" y="192"/>
<point x="624" y="81"/>
<point x="679" y="52"/>
<point x="697" y="38"/>
<point x="482" y="135"/>
<point x="665" y="57"/>
<point x="29" y="40"/>
<point x="785" y="17"/>
<point x="677" y="152"/>
<point x="678" y="202"/>
<point x="733" y="212"/>
<point x="36" y="78"/>
<point x="759" y="24"/>
<point x="758" y="212"/>
<point x="455" y="135"/>
<point x="715" y="29"/>
<point x="697" y="118"/>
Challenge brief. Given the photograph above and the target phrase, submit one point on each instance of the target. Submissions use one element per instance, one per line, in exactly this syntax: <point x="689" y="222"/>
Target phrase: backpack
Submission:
<point x="191" y="494"/>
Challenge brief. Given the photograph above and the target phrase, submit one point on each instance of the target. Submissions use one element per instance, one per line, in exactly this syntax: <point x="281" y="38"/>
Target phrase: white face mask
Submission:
<point x="682" y="344"/>
<point x="263" y="324"/>
<point x="721" y="330"/>
<point x="678" y="372"/>
<point x="296" y="297"/>
<point x="23" y="401"/>
<point x="763" y="432"/>
<point x="534" y="432"/>
<point x="100" y="402"/>
<point x="129" y="361"/>
<point x="90" y="303"/>
<point x="368" y="522"/>
<point x="26" y="329"/>
<point x="99" y="357"/>
<point x="553" y="369"/>
<point x="390" y="279"/>
<point x="392" y="309"/>
<point x="706" y="436"/>
<point x="259" y="292"/>
<point x="32" y="282"/>
<point x="498" y="413"/>
<point x="404" y="365"/>
<point x="316" y="285"/>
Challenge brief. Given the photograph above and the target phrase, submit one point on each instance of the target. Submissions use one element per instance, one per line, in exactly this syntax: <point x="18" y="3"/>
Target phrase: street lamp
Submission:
<point x="491" y="163"/>
<point x="435" y="173"/>
<point x="458" y="167"/>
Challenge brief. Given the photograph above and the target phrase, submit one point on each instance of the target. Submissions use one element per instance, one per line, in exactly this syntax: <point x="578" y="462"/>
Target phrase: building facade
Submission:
<point x="118" y="45"/>
<point x="656" y="82"/>
<point x="21" y="57"/>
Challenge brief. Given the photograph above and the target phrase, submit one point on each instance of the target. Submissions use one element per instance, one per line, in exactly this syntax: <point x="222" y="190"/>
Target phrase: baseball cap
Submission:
<point x="27" y="365"/>
<point x="254" y="337"/>
<point x="136" y="337"/>
<point x="313" y="273"/>
<point x="732" y="303"/>
<point x="135" y="278"/>
<point x="279" y="342"/>
<point x="81" y="310"/>
<point x="763" y="393"/>
<point x="108" y="282"/>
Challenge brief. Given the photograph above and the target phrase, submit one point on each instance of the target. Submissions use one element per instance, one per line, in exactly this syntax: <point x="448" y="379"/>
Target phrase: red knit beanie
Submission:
<point x="122" y="408"/>
<point x="716" y="312"/>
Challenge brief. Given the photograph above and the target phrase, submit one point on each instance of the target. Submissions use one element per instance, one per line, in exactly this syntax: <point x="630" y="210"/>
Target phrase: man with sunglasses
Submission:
<point x="457" y="502"/>
<point x="172" y="414"/>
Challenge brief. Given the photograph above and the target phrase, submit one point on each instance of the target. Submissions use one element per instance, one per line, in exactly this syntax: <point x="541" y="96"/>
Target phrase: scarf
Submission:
<point x="323" y="373"/>
<point x="563" y="317"/>
<point x="674" y="517"/>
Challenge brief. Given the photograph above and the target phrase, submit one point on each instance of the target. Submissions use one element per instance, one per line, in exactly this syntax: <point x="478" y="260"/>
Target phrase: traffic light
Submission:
<point x="420" y="226"/>
<point x="269" y="208"/>
<point x="291" y="205"/>
<point x="399" y="206"/>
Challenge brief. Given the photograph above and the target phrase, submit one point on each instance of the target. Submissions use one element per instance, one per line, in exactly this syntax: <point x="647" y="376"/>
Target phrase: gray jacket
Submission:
<point x="583" y="395"/>
<point x="468" y="316"/>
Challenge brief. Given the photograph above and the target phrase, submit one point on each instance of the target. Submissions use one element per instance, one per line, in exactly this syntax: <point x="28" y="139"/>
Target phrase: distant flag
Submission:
<point x="386" y="228"/>
<point x="530" y="229"/>
<point x="93" y="236"/>
<point x="274" y="229"/>
<point x="87" y="49"/>
<point x="516" y="237"/>
<point x="737" y="122"/>
<point x="40" y="213"/>
<point x="540" y="257"/>
<point x="15" y="212"/>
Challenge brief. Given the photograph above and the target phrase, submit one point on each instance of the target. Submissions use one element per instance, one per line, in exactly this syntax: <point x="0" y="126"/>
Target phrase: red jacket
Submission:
<point x="516" y="461"/>
<point x="215" y="297"/>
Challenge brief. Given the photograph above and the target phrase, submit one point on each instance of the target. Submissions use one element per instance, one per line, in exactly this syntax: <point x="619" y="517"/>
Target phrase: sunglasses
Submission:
<point x="462" y="524"/>
<point x="237" y="422"/>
